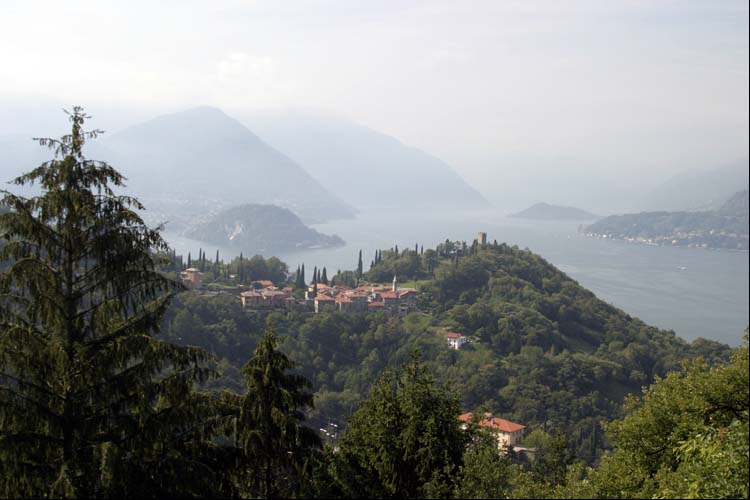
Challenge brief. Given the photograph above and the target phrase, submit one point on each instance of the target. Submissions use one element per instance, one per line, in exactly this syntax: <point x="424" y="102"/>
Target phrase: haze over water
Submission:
<point x="708" y="298"/>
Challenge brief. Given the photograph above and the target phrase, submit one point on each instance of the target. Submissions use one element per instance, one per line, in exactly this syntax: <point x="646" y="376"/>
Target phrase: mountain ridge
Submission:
<point x="203" y="153"/>
<point x="367" y="168"/>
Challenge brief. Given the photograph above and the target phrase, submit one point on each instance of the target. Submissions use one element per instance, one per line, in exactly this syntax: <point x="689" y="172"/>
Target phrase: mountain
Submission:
<point x="196" y="160"/>
<point x="544" y="211"/>
<point x="697" y="190"/>
<point x="366" y="168"/>
<point x="726" y="227"/>
<point x="736" y="206"/>
<point x="262" y="229"/>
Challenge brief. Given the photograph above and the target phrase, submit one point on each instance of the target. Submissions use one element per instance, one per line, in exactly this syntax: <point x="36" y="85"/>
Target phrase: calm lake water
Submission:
<point x="695" y="292"/>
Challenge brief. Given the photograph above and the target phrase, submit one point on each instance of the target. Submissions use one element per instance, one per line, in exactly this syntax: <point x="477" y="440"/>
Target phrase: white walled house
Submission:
<point x="456" y="340"/>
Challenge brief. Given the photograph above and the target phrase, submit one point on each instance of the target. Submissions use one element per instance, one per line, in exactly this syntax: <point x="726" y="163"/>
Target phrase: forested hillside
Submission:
<point x="726" y="227"/>
<point x="545" y="352"/>
<point x="117" y="381"/>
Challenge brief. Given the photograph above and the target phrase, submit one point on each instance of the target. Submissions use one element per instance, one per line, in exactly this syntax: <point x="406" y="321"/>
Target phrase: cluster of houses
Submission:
<point x="320" y="297"/>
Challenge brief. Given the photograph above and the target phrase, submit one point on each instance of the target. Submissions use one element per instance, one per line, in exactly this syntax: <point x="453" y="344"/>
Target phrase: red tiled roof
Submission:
<point x="503" y="425"/>
<point x="499" y="424"/>
<point x="343" y="299"/>
<point x="323" y="298"/>
<point x="454" y="335"/>
<point x="375" y="304"/>
<point x="389" y="295"/>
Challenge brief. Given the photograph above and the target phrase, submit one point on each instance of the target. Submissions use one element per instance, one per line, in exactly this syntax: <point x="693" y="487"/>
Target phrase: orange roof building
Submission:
<point x="508" y="433"/>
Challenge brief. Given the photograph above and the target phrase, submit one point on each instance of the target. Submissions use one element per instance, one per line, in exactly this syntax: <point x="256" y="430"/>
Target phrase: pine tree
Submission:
<point x="270" y="426"/>
<point x="91" y="400"/>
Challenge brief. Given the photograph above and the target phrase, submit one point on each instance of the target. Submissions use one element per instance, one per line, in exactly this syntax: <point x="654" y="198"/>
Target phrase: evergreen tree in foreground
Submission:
<point x="91" y="404"/>
<point x="404" y="441"/>
<point x="270" y="429"/>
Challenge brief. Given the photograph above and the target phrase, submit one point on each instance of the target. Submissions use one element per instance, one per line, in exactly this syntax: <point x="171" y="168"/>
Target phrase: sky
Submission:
<point x="501" y="90"/>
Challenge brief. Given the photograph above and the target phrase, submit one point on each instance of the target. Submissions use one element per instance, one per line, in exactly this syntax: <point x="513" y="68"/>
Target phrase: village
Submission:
<point x="391" y="299"/>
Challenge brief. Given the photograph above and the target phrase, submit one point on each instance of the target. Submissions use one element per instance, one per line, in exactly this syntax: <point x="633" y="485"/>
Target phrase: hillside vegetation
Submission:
<point x="726" y="227"/>
<point x="260" y="229"/>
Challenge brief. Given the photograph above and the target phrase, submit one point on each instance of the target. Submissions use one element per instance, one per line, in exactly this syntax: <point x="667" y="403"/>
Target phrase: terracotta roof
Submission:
<point x="343" y="299"/>
<point x="323" y="298"/>
<point x="375" y="304"/>
<point x="498" y="424"/>
<point x="250" y="294"/>
<point x="389" y="295"/>
<point x="454" y="335"/>
<point x="264" y="282"/>
<point x="406" y="291"/>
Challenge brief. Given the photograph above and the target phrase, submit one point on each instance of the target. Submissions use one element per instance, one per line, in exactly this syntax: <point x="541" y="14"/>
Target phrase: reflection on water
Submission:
<point x="695" y="292"/>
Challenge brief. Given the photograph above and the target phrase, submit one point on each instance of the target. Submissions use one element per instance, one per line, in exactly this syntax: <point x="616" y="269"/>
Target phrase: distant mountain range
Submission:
<point x="697" y="189"/>
<point x="263" y="229"/>
<point x="203" y="158"/>
<point x="544" y="211"/>
<point x="726" y="227"/>
<point x="366" y="168"/>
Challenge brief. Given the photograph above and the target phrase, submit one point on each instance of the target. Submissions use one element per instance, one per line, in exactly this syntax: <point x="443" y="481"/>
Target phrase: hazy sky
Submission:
<point x="497" y="88"/>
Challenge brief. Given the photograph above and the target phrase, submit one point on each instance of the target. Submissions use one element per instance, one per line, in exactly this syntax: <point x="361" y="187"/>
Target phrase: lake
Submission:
<point x="695" y="292"/>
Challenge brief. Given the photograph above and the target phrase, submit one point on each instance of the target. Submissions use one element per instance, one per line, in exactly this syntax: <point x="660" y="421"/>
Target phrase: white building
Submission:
<point x="456" y="340"/>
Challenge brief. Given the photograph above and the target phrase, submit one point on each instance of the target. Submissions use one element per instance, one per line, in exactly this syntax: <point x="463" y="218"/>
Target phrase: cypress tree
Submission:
<point x="91" y="400"/>
<point x="302" y="275"/>
<point x="324" y="278"/>
<point x="190" y="261"/>
<point x="359" y="265"/>
<point x="315" y="275"/>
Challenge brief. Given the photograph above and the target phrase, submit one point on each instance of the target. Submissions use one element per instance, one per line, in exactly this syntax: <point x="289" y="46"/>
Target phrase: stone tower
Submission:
<point x="482" y="238"/>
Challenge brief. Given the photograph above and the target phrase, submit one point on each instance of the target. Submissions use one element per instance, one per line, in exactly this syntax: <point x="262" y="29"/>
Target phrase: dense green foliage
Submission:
<point x="404" y="441"/>
<point x="547" y="353"/>
<point x="92" y="403"/>
<point x="269" y="428"/>
<point x="99" y="360"/>
<point x="687" y="436"/>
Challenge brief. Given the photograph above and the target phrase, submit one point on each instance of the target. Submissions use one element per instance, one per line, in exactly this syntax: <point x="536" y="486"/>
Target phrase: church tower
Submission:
<point x="395" y="283"/>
